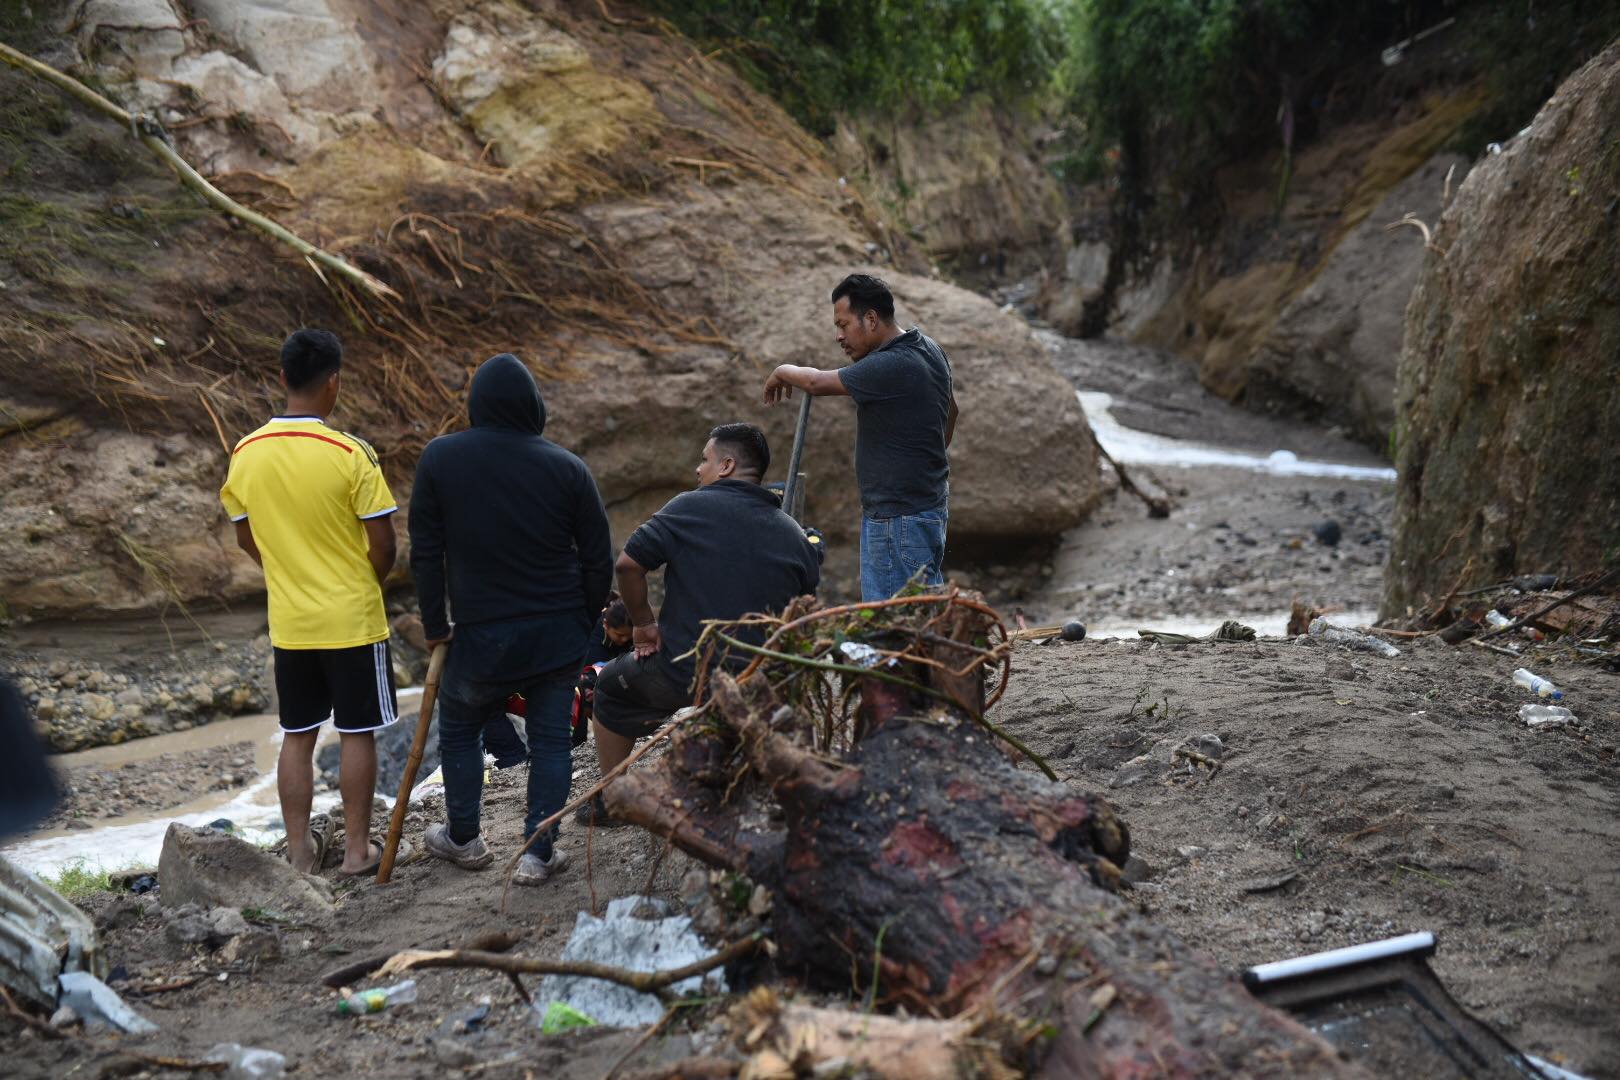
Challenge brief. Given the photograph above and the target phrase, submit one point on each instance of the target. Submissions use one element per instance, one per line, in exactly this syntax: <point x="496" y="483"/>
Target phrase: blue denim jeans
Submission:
<point x="896" y="549"/>
<point x="479" y="675"/>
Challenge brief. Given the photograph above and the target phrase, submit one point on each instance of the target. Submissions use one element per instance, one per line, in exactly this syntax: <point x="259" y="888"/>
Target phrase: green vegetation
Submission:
<point x="824" y="57"/>
<point x="76" y="881"/>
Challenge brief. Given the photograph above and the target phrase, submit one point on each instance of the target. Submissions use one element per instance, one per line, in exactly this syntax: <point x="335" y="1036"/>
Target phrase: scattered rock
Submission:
<point x="1133" y="771"/>
<point x="257" y="945"/>
<point x="1189" y="852"/>
<point x="201" y="695"/>
<point x="1137" y="870"/>
<point x="97" y="707"/>
<point x="216" y="870"/>
<point x="1328" y="533"/>
<point x="1211" y="746"/>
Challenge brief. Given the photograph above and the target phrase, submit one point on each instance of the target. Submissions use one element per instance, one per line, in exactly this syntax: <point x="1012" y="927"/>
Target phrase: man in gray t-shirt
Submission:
<point x="905" y="415"/>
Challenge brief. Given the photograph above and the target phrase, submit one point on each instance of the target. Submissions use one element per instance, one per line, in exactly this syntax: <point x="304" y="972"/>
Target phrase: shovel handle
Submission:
<point x="424" y="720"/>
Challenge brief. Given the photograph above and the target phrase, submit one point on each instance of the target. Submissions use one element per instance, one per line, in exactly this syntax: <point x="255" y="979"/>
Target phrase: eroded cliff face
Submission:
<point x="644" y="230"/>
<point x="1509" y="384"/>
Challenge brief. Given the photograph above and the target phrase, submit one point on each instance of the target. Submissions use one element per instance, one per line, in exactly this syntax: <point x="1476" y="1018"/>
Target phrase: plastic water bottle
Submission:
<point x="375" y="1001"/>
<point x="248" y="1062"/>
<point x="1497" y="620"/>
<point x="1545" y="716"/>
<point x="1537" y="685"/>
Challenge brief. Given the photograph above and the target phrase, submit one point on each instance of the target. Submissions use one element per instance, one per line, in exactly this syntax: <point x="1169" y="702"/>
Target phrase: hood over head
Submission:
<point x="504" y="395"/>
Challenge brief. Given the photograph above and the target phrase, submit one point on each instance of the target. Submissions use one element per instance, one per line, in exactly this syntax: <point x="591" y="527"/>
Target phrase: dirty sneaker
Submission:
<point x="533" y="870"/>
<point x="473" y="855"/>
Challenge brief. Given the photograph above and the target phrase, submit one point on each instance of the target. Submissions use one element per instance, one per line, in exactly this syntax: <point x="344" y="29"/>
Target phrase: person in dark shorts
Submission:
<point x="312" y="508"/>
<point x="727" y="550"/>
<point x="905" y="415"/>
<point x="510" y="527"/>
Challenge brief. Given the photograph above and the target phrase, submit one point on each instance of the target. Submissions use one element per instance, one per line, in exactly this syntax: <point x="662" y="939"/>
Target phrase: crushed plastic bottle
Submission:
<point x="1537" y="717"/>
<point x="1351" y="639"/>
<point x="1536" y="684"/>
<point x="375" y="1001"/>
<point x="248" y="1062"/>
<point x="99" y="1005"/>
<point x="1496" y="620"/>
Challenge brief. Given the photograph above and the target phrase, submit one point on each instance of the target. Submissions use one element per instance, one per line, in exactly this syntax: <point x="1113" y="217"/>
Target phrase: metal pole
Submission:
<point x="791" y="487"/>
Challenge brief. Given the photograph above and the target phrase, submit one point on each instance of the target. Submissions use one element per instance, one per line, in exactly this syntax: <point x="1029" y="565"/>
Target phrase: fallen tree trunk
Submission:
<point x="921" y="867"/>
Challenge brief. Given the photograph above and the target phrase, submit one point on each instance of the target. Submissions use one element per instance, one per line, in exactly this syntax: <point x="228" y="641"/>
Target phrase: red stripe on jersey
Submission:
<point x="294" y="435"/>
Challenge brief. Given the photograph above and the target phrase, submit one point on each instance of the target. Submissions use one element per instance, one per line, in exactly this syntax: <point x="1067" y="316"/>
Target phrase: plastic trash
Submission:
<point x="99" y="1005"/>
<point x="375" y="1001"/>
<point x="637" y="934"/>
<point x="560" y="1016"/>
<point x="1496" y="620"/>
<point x="1545" y="716"/>
<point x="860" y="654"/>
<point x="1351" y="639"/>
<point x="1536" y="684"/>
<point x="248" y="1062"/>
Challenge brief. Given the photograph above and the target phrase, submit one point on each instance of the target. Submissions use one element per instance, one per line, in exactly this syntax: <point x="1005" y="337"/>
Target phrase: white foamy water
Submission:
<point x="1268" y="624"/>
<point x="1131" y="447"/>
<point x="137" y="840"/>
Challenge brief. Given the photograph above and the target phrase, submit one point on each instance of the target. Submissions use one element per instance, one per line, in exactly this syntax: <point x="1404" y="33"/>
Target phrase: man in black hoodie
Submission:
<point x="517" y="522"/>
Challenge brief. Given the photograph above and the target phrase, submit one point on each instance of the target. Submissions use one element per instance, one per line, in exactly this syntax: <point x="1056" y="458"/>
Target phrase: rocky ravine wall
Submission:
<point x="645" y="231"/>
<point x="1509" y="389"/>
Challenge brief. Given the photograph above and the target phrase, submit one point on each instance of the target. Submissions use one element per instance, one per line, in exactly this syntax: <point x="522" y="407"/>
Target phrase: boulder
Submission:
<point x="1508" y="396"/>
<point x="214" y="870"/>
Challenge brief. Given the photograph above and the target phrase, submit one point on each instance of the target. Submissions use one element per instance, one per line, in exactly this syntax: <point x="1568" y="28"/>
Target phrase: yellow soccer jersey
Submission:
<point x="305" y="488"/>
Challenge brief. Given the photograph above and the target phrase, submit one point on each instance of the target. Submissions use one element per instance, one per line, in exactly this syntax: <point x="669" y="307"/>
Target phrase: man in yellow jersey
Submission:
<point x="311" y="506"/>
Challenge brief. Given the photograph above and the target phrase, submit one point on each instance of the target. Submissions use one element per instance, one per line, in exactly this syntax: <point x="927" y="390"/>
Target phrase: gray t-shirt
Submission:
<point x="902" y="398"/>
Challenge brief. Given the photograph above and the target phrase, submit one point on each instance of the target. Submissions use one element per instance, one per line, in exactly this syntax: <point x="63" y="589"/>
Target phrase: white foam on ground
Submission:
<point x="252" y="810"/>
<point x="1131" y="447"/>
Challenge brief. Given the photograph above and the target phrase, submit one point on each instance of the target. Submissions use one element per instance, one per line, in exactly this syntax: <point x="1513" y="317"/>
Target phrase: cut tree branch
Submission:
<point x="148" y="131"/>
<point x="647" y="982"/>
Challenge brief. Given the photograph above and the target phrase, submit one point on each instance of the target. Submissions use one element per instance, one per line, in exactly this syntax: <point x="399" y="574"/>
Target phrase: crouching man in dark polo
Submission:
<point x="727" y="550"/>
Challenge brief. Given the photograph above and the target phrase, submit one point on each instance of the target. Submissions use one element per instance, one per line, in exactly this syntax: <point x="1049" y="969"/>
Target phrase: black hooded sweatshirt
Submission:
<point x="514" y="518"/>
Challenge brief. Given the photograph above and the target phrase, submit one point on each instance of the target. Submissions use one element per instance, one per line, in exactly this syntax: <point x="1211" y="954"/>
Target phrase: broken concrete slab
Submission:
<point x="211" y="869"/>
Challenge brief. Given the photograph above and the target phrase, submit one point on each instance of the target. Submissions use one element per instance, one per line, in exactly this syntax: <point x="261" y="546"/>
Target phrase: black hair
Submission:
<point x="308" y="356"/>
<point x="746" y="443"/>
<point x="866" y="293"/>
<point x="615" y="616"/>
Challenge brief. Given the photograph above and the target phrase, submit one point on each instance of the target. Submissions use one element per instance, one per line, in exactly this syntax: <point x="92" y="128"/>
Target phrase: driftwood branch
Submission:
<point x="498" y="942"/>
<point x="149" y="132"/>
<point x="1158" y="506"/>
<point x="647" y="982"/>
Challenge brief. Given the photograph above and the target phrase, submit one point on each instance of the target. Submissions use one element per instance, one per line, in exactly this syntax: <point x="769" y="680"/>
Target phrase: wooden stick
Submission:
<point x="1612" y="575"/>
<point x="647" y="982"/>
<point x="149" y="132"/>
<point x="337" y="978"/>
<point x="424" y="719"/>
<point x="1157" y="507"/>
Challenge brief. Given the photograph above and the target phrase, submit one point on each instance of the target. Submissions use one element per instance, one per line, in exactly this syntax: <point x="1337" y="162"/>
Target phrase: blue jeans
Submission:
<point x="896" y="549"/>
<point x="480" y="673"/>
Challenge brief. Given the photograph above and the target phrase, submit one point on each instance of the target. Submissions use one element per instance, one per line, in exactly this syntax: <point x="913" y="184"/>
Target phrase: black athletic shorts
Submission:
<point x="353" y="686"/>
<point x="634" y="697"/>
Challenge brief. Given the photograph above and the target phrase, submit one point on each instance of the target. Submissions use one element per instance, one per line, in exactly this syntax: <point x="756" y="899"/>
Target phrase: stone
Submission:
<point x="47" y="708"/>
<point x="1134" y="771"/>
<point x="201" y="695"/>
<point x="1137" y="870"/>
<point x="97" y="707"/>
<point x="213" y="869"/>
<point x="1507" y="408"/>
<point x="223" y="677"/>
<point x="1211" y="746"/>
<point x="132" y="696"/>
<point x="254" y="945"/>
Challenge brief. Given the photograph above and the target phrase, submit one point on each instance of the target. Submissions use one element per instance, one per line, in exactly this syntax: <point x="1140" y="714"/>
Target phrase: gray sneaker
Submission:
<point x="473" y="855"/>
<point x="533" y="870"/>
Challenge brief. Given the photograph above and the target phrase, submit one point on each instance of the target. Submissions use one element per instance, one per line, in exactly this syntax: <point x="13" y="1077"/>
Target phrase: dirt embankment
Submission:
<point x="648" y="233"/>
<point x="1509" y="389"/>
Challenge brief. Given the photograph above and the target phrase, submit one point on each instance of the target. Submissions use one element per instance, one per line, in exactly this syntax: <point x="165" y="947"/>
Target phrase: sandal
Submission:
<point x="321" y="830"/>
<point x="370" y="869"/>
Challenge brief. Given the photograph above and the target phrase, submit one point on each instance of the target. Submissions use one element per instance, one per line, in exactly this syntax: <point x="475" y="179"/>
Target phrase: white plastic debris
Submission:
<point x="1537" y="717"/>
<point x="1351" y="639"/>
<point x="100" y="1006"/>
<point x="621" y="939"/>
<point x="860" y="654"/>
<point x="248" y="1062"/>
